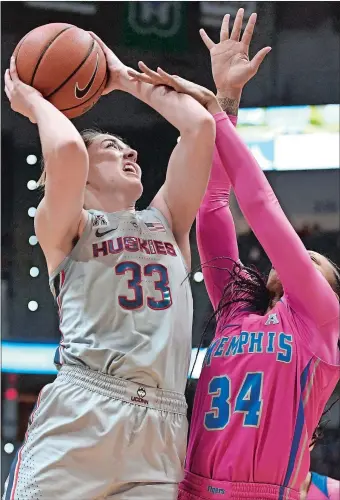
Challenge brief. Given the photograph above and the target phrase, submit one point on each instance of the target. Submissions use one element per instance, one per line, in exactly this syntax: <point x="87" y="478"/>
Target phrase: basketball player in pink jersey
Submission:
<point x="274" y="360"/>
<point x="113" y="423"/>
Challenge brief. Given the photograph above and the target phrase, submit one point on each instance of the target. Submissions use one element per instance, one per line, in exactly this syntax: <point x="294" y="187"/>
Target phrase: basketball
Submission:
<point x="65" y="64"/>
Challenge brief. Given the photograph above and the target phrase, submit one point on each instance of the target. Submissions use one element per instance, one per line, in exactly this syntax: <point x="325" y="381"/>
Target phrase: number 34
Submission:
<point x="248" y="401"/>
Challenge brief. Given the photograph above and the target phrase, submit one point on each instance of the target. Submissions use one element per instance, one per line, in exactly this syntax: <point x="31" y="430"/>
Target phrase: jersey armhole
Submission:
<point x="161" y="217"/>
<point x="66" y="261"/>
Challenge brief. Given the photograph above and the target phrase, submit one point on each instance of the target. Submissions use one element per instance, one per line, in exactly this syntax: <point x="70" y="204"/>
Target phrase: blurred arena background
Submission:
<point x="289" y="118"/>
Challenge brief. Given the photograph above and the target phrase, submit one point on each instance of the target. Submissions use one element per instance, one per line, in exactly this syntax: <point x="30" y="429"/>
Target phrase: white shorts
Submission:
<point x="92" y="436"/>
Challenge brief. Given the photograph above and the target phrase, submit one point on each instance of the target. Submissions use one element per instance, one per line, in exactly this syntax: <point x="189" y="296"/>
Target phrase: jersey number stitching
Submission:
<point x="135" y="284"/>
<point x="248" y="401"/>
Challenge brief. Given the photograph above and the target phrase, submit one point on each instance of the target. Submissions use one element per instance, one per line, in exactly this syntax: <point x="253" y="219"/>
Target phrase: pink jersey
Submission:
<point x="323" y="488"/>
<point x="265" y="379"/>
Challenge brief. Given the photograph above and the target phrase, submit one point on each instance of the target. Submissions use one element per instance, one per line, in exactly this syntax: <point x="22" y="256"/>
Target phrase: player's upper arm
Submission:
<point x="187" y="176"/>
<point x="60" y="211"/>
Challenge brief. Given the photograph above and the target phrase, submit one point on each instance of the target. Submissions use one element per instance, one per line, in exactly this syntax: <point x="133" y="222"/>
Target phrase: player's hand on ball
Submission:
<point x="230" y="62"/>
<point x="114" y="64"/>
<point x="180" y="85"/>
<point x="20" y="95"/>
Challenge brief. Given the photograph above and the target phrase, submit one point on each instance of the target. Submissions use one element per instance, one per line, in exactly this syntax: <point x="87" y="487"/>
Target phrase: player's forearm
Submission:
<point x="229" y="101"/>
<point x="214" y="217"/>
<point x="56" y="132"/>
<point x="181" y="110"/>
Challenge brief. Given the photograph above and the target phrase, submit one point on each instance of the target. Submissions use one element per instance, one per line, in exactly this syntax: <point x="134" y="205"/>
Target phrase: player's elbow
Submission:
<point x="202" y="127"/>
<point x="67" y="153"/>
<point x="73" y="148"/>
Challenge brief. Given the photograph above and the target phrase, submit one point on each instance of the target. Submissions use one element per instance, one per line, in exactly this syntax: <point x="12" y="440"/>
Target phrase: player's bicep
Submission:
<point x="66" y="175"/>
<point x="187" y="176"/>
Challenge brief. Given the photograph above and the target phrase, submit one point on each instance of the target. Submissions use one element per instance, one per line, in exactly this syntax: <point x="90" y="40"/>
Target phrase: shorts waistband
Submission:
<point x="124" y="390"/>
<point x="211" y="489"/>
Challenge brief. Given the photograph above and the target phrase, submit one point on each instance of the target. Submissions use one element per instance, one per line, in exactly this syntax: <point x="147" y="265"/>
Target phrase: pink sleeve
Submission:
<point x="215" y="231"/>
<point x="307" y="292"/>
<point x="333" y="487"/>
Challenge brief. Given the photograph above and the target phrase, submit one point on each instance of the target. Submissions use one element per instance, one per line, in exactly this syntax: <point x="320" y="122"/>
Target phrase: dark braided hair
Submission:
<point x="246" y="287"/>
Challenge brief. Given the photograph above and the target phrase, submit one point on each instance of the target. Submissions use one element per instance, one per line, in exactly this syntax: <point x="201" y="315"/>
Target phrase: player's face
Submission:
<point x="113" y="166"/>
<point x="321" y="263"/>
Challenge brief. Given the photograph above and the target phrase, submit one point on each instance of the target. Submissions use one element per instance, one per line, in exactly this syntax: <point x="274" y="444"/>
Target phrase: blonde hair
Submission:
<point x="88" y="135"/>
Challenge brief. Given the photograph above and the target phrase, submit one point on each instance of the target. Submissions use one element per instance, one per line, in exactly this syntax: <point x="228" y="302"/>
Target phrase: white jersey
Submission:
<point x="125" y="302"/>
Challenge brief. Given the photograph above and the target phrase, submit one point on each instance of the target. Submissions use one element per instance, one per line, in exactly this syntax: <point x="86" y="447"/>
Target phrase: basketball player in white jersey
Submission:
<point x="113" y="423"/>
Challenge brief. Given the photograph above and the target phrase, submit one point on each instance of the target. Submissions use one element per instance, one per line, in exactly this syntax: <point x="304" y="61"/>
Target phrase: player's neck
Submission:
<point x="108" y="203"/>
<point x="305" y="486"/>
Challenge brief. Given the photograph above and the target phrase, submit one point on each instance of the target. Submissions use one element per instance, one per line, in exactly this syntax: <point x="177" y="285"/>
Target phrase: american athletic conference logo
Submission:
<point x="141" y="393"/>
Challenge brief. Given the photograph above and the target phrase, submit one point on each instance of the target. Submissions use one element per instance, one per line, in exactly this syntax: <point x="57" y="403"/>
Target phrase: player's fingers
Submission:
<point x="173" y="81"/>
<point x="249" y="30"/>
<point x="166" y="76"/>
<point x="13" y="69"/>
<point x="235" y="34"/>
<point x="145" y="69"/>
<point x="139" y="77"/>
<point x="258" y="58"/>
<point x="207" y="41"/>
<point x="7" y="92"/>
<point x="224" y="33"/>
<point x="8" y="80"/>
<point x="163" y="73"/>
<point x="99" y="41"/>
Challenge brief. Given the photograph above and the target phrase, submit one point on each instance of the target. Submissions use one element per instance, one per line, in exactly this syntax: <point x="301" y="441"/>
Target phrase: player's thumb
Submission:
<point x="259" y="57"/>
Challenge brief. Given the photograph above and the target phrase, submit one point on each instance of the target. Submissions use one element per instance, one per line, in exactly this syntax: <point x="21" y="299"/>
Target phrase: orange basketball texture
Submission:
<point x="65" y="64"/>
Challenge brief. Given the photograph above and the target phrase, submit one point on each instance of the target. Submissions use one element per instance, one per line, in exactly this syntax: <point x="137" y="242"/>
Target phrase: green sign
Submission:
<point x="156" y="25"/>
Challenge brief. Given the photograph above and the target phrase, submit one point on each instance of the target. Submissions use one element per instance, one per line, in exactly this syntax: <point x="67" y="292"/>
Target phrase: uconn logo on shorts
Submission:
<point x="141" y="393"/>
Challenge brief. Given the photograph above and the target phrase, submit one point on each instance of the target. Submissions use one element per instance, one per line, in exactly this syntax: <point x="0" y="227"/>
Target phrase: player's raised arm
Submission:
<point x="216" y="236"/>
<point x="307" y="290"/>
<point x="65" y="159"/>
<point x="190" y="163"/>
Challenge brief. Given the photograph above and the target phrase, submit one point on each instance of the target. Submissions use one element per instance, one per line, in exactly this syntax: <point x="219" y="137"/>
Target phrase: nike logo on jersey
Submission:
<point x="80" y="93"/>
<point x="99" y="234"/>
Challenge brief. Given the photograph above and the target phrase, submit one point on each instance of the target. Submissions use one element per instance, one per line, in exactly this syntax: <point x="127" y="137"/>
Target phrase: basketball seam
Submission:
<point x="74" y="72"/>
<point x="22" y="41"/>
<point x="89" y="99"/>
<point x="45" y="50"/>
